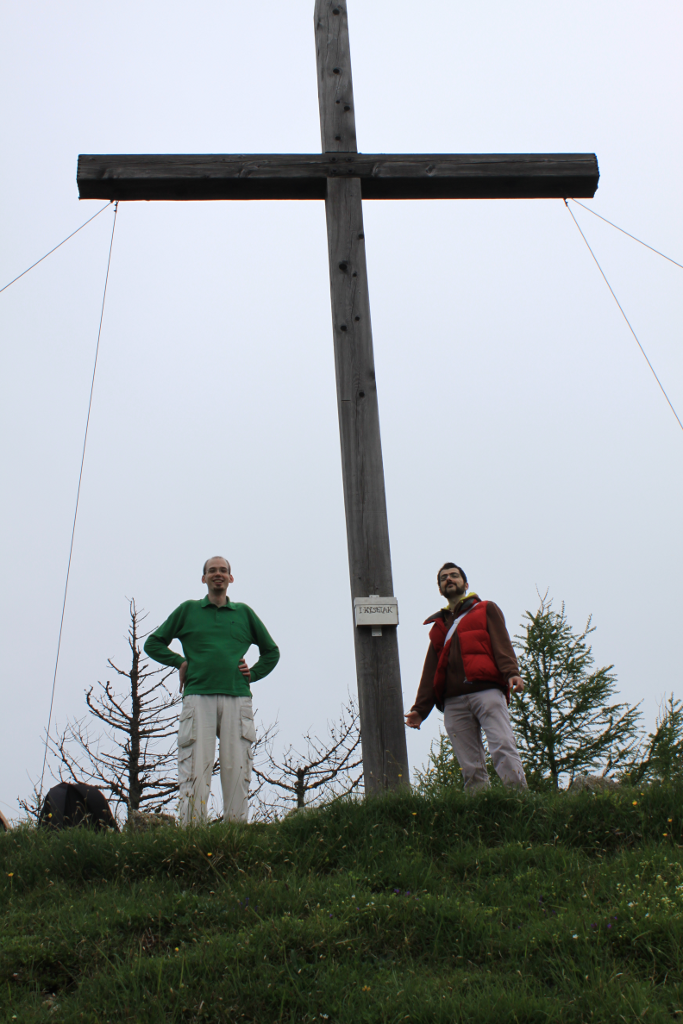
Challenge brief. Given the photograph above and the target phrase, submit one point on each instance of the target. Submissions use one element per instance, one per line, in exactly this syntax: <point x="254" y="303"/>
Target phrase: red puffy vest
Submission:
<point x="475" y="648"/>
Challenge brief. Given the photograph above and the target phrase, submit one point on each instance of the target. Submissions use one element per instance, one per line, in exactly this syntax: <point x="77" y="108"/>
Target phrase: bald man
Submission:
<point x="215" y="634"/>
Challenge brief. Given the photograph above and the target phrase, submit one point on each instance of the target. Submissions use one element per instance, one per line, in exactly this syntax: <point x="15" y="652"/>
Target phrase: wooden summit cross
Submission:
<point x="343" y="178"/>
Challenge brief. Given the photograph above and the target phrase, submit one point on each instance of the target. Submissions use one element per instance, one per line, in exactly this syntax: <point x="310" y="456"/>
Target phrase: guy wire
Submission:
<point x="78" y="497"/>
<point x="612" y="225"/>
<point x="57" y="246"/>
<point x="624" y="314"/>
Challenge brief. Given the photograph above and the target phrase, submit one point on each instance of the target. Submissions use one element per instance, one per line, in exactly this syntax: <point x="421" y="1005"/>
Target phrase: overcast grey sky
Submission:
<point x="524" y="436"/>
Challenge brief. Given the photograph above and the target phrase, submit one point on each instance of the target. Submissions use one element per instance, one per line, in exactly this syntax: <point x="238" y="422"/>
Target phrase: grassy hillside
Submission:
<point x="497" y="908"/>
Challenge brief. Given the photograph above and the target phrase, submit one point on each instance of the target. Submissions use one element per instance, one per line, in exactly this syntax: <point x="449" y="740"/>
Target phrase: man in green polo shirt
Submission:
<point x="215" y="634"/>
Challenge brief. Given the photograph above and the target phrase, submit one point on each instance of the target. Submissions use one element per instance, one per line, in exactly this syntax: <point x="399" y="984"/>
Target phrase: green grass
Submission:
<point x="495" y="908"/>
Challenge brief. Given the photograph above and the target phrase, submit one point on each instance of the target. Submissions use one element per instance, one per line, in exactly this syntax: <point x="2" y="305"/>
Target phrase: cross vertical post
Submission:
<point x="380" y="698"/>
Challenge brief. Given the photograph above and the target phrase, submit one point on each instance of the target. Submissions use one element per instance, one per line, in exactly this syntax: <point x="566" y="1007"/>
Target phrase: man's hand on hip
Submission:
<point x="245" y="670"/>
<point x="413" y="720"/>
<point x="516" y="684"/>
<point x="182" y="672"/>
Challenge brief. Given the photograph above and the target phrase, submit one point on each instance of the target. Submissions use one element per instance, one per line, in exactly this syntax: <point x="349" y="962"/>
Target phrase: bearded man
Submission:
<point x="469" y="673"/>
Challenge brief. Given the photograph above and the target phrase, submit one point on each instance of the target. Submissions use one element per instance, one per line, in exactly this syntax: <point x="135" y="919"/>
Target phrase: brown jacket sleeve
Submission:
<point x="424" y="702"/>
<point x="503" y="652"/>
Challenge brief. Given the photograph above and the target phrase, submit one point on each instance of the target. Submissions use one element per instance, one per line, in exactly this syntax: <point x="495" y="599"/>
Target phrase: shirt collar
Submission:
<point x="206" y="602"/>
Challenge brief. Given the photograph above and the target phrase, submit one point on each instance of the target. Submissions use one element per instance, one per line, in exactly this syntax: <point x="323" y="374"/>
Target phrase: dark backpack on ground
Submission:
<point x="75" y="803"/>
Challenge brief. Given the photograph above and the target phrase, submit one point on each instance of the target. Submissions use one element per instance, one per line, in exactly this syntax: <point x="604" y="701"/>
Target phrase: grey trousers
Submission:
<point x="464" y="719"/>
<point x="203" y="718"/>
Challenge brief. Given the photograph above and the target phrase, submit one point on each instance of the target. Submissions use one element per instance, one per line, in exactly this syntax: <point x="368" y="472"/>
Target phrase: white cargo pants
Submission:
<point x="464" y="717"/>
<point x="203" y="718"/>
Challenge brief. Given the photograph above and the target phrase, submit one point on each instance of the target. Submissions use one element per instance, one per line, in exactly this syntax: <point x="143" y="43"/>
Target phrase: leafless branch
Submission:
<point x="326" y="769"/>
<point x="133" y="761"/>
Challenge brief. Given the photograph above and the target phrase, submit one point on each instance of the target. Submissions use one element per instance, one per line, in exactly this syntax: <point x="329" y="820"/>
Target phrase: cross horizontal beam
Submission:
<point x="383" y="176"/>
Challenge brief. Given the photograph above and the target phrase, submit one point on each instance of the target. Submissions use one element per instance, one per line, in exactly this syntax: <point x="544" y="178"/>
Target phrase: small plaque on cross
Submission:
<point x="376" y="611"/>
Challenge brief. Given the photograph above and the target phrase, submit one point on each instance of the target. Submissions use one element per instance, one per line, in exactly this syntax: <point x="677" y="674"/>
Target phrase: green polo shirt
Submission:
<point x="214" y="641"/>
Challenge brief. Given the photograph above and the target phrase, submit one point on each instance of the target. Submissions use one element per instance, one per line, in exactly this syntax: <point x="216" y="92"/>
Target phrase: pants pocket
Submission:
<point x="186" y="772"/>
<point x="187" y="727"/>
<point x="247" y="723"/>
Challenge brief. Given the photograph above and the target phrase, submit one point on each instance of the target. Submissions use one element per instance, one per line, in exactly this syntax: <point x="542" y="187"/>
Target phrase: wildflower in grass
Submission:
<point x="635" y="803"/>
<point x="365" y="988"/>
<point x="575" y="936"/>
<point x="10" y="874"/>
<point x="209" y="855"/>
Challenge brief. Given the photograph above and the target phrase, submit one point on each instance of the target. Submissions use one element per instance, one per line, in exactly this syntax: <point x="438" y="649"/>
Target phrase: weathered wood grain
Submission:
<point x="385" y="761"/>
<point x="377" y="665"/>
<point x="335" y="84"/>
<point x="382" y="176"/>
<point x="385" y="757"/>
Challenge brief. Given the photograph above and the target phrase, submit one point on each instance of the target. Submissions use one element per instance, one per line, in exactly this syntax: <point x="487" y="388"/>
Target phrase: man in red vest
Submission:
<point x="469" y="672"/>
